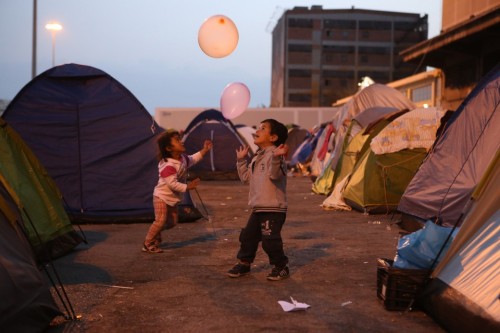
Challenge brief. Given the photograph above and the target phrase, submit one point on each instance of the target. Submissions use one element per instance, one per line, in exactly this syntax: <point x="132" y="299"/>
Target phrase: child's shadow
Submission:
<point x="200" y="239"/>
<point x="307" y="255"/>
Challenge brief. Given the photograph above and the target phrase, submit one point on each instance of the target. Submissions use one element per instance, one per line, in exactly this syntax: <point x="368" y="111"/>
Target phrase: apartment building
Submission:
<point x="320" y="55"/>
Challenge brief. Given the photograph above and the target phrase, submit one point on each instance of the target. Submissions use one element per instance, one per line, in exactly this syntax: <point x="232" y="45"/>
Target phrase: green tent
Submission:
<point x="390" y="157"/>
<point x="323" y="184"/>
<point x="356" y="141"/>
<point x="375" y="96"/>
<point x="377" y="182"/>
<point x="37" y="197"/>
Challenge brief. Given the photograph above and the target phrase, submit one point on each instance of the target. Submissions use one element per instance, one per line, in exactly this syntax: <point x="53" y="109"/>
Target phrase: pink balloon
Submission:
<point x="234" y="100"/>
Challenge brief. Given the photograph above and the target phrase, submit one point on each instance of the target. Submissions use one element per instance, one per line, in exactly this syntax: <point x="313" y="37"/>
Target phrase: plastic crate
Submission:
<point x="398" y="288"/>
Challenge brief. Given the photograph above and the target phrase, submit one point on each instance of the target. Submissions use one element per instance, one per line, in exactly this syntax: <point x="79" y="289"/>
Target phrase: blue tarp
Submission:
<point x="420" y="249"/>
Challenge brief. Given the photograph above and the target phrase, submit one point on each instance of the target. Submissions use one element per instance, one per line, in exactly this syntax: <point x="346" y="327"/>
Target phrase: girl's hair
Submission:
<point x="278" y="129"/>
<point x="164" y="141"/>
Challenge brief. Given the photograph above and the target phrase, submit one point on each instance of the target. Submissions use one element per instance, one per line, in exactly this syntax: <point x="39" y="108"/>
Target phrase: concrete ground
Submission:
<point x="115" y="287"/>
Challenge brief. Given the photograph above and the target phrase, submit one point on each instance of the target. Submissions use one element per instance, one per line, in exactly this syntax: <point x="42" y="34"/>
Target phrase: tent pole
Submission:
<point x="79" y="227"/>
<point x="70" y="310"/>
<point x="206" y="211"/>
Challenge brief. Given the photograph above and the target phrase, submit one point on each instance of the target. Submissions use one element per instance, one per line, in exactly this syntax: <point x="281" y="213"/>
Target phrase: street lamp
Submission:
<point x="53" y="27"/>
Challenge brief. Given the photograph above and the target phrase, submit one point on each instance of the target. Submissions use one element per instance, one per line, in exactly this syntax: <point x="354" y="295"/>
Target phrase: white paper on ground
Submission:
<point x="294" y="306"/>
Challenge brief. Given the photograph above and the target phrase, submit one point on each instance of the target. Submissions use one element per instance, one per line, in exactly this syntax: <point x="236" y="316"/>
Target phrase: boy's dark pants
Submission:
<point x="265" y="227"/>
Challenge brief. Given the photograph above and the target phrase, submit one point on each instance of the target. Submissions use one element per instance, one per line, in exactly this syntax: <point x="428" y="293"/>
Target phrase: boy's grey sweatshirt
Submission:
<point x="266" y="175"/>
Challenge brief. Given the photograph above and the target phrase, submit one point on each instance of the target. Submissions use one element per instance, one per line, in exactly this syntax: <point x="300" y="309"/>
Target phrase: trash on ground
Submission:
<point x="294" y="306"/>
<point x="113" y="286"/>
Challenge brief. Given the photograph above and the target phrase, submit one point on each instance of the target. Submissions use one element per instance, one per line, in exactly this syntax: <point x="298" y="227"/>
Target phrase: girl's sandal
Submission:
<point x="152" y="248"/>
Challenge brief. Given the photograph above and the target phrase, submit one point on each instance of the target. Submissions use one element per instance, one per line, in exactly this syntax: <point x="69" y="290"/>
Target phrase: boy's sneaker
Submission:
<point x="278" y="273"/>
<point x="238" y="270"/>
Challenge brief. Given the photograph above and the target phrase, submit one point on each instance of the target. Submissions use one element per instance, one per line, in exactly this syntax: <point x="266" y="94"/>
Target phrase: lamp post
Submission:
<point x="53" y="28"/>
<point x="33" y="50"/>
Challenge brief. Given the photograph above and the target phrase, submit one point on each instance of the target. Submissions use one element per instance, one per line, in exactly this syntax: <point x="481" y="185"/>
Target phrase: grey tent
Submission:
<point x="95" y="139"/>
<point x="445" y="180"/>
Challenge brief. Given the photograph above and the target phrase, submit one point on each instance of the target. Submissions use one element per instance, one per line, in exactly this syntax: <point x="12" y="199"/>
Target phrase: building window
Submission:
<point x="374" y="25"/>
<point x="421" y="93"/>
<point x="305" y="98"/>
<point x="299" y="48"/>
<point x="365" y="34"/>
<point x="300" y="23"/>
<point x="338" y="74"/>
<point x="299" y="73"/>
<point x="374" y="50"/>
<point x="340" y="24"/>
<point x="336" y="49"/>
<point x="404" y="26"/>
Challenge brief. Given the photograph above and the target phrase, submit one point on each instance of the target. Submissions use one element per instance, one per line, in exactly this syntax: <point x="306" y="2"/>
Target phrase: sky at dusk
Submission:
<point x="151" y="46"/>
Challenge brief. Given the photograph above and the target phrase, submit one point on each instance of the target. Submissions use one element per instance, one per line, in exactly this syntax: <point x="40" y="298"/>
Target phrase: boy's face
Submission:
<point x="263" y="137"/>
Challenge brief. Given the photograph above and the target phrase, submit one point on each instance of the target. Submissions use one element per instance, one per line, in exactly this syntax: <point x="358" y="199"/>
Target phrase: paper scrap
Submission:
<point x="294" y="306"/>
<point x="114" y="286"/>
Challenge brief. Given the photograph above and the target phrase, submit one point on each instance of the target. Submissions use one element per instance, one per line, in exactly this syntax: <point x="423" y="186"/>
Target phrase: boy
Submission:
<point x="266" y="174"/>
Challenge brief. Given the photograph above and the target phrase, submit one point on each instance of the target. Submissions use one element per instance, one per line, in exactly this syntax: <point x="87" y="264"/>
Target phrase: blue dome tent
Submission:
<point x="220" y="162"/>
<point x="96" y="140"/>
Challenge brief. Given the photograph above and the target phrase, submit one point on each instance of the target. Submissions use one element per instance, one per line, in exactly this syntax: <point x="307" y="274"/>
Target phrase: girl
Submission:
<point x="172" y="169"/>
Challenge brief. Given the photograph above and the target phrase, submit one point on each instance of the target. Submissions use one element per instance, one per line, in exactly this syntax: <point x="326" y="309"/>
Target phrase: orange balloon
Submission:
<point x="218" y="36"/>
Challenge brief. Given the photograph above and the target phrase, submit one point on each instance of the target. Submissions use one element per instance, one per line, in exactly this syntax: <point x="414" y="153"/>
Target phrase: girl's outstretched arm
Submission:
<point x="207" y="145"/>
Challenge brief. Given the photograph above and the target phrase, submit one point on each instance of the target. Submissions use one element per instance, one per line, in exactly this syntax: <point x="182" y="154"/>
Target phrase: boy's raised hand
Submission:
<point x="241" y="152"/>
<point x="281" y="150"/>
